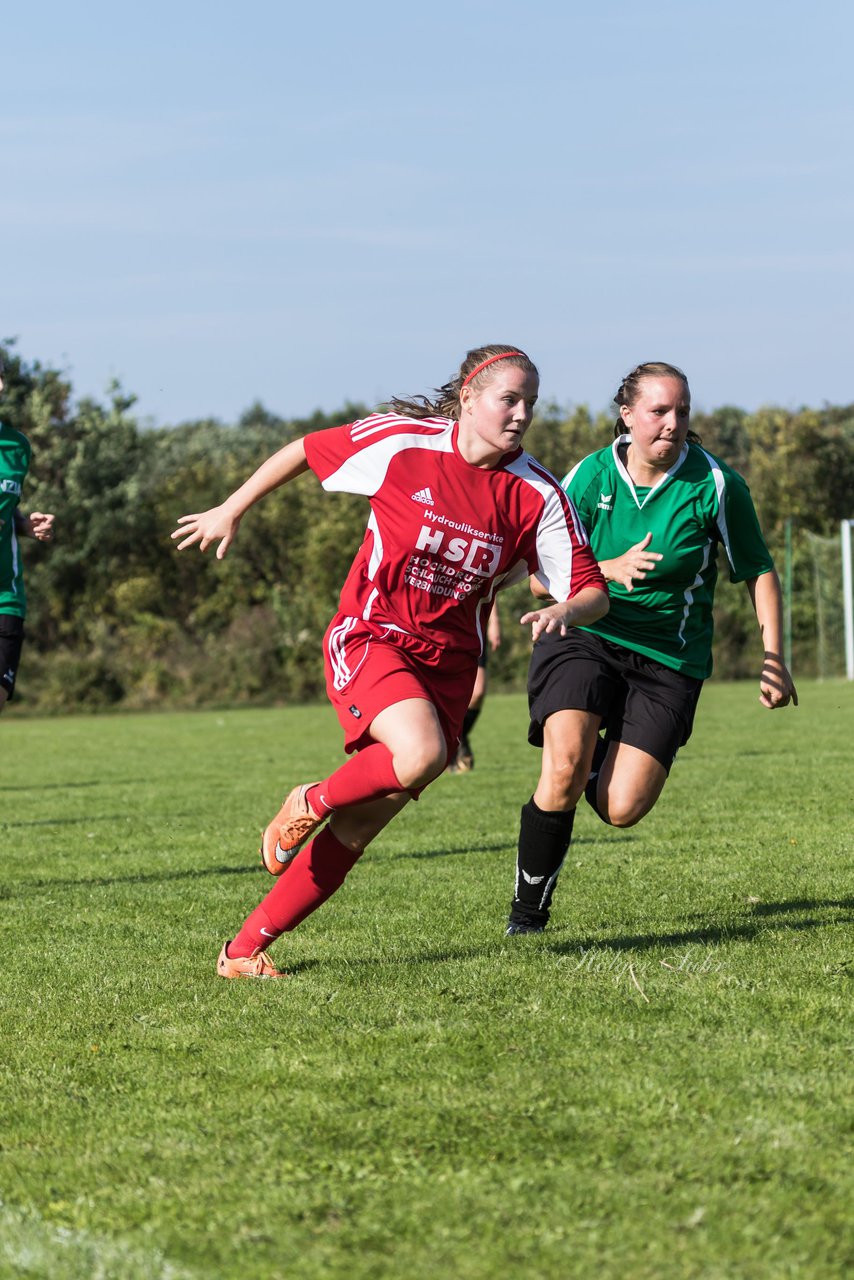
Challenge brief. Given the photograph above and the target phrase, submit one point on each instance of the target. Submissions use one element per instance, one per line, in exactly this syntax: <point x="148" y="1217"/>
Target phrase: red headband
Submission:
<point x="505" y="355"/>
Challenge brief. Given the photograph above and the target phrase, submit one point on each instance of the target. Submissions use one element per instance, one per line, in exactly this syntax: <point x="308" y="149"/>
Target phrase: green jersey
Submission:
<point x="14" y="462"/>
<point x="700" y="504"/>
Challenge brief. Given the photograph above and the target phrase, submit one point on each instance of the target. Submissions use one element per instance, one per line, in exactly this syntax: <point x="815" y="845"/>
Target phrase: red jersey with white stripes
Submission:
<point x="444" y="535"/>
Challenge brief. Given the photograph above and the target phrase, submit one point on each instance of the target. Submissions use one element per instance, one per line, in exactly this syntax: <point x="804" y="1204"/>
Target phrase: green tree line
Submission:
<point x="117" y="617"/>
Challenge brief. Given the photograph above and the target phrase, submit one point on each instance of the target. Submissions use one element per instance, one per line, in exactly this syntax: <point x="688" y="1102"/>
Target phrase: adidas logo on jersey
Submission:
<point x="425" y="496"/>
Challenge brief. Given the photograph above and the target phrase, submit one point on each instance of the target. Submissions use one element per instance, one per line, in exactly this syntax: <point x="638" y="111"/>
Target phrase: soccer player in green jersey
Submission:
<point x="14" y="464"/>
<point x="612" y="702"/>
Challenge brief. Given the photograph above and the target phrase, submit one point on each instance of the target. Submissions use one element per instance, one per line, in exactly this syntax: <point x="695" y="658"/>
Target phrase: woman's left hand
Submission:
<point x="633" y="565"/>
<point x="776" y="686"/>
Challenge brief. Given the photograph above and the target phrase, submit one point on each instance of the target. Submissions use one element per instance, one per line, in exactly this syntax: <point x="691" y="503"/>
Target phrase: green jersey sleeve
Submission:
<point x="746" y="550"/>
<point x="581" y="485"/>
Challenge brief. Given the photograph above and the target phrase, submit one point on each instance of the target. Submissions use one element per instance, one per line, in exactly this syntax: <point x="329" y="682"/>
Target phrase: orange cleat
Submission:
<point x="258" y="965"/>
<point x="289" y="830"/>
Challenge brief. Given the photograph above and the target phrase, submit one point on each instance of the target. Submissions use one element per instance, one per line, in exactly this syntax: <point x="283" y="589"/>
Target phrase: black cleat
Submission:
<point x="515" y="927"/>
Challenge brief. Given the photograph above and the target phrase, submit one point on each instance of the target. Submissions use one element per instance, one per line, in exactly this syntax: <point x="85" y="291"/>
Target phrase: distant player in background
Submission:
<point x="14" y="465"/>
<point x="613" y="701"/>
<point x="463" y="761"/>
<point x="457" y="510"/>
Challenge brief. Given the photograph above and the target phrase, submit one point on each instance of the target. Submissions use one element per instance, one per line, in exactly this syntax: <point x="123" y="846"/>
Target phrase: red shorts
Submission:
<point x="370" y="667"/>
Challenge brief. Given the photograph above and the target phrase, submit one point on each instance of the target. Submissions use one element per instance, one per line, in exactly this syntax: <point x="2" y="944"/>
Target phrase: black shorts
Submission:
<point x="641" y="702"/>
<point x="11" y="640"/>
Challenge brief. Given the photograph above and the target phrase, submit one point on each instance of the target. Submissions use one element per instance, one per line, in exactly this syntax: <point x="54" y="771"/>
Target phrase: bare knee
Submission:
<point x="622" y="818"/>
<point x="561" y="783"/>
<point x="630" y="782"/>
<point x="418" y="765"/>
<point x="623" y="810"/>
<point x="412" y="732"/>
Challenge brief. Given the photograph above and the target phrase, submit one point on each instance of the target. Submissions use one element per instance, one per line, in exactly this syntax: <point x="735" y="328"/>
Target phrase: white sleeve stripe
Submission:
<point x="383" y="421"/>
<point x="559" y="579"/>
<point x="16" y="564"/>
<point x="720" y="489"/>
<point x="364" y="472"/>
<point x="566" y="502"/>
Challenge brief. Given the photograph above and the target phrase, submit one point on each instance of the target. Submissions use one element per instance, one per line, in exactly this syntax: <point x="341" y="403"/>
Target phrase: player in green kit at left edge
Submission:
<point x="14" y="465"/>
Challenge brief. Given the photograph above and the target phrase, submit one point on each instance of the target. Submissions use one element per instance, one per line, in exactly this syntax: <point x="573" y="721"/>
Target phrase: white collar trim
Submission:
<point x="627" y="479"/>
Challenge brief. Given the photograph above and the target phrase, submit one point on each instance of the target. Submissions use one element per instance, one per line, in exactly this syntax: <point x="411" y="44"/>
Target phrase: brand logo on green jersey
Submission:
<point x="10" y="486"/>
<point x="605" y="501"/>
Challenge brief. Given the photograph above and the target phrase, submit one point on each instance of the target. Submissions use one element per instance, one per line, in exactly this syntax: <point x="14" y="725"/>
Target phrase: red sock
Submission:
<point x="369" y="775"/>
<point x="314" y="875"/>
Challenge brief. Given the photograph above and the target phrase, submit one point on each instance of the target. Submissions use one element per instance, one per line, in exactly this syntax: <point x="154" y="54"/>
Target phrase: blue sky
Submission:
<point x="305" y="204"/>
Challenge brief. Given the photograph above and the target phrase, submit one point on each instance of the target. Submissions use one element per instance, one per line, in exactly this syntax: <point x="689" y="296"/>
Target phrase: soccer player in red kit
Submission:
<point x="458" y="510"/>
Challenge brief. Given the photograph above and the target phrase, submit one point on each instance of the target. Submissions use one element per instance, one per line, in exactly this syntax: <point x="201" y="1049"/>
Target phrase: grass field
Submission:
<point x="660" y="1086"/>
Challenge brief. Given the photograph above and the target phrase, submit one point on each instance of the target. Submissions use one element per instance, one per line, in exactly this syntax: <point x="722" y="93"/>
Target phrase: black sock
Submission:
<point x="468" y="722"/>
<point x="543" y="841"/>
<point x="590" y="790"/>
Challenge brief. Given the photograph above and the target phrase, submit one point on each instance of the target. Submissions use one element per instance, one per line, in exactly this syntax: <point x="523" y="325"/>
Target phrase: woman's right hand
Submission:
<point x="632" y="565"/>
<point x="552" y="618"/>
<point x="218" y="524"/>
